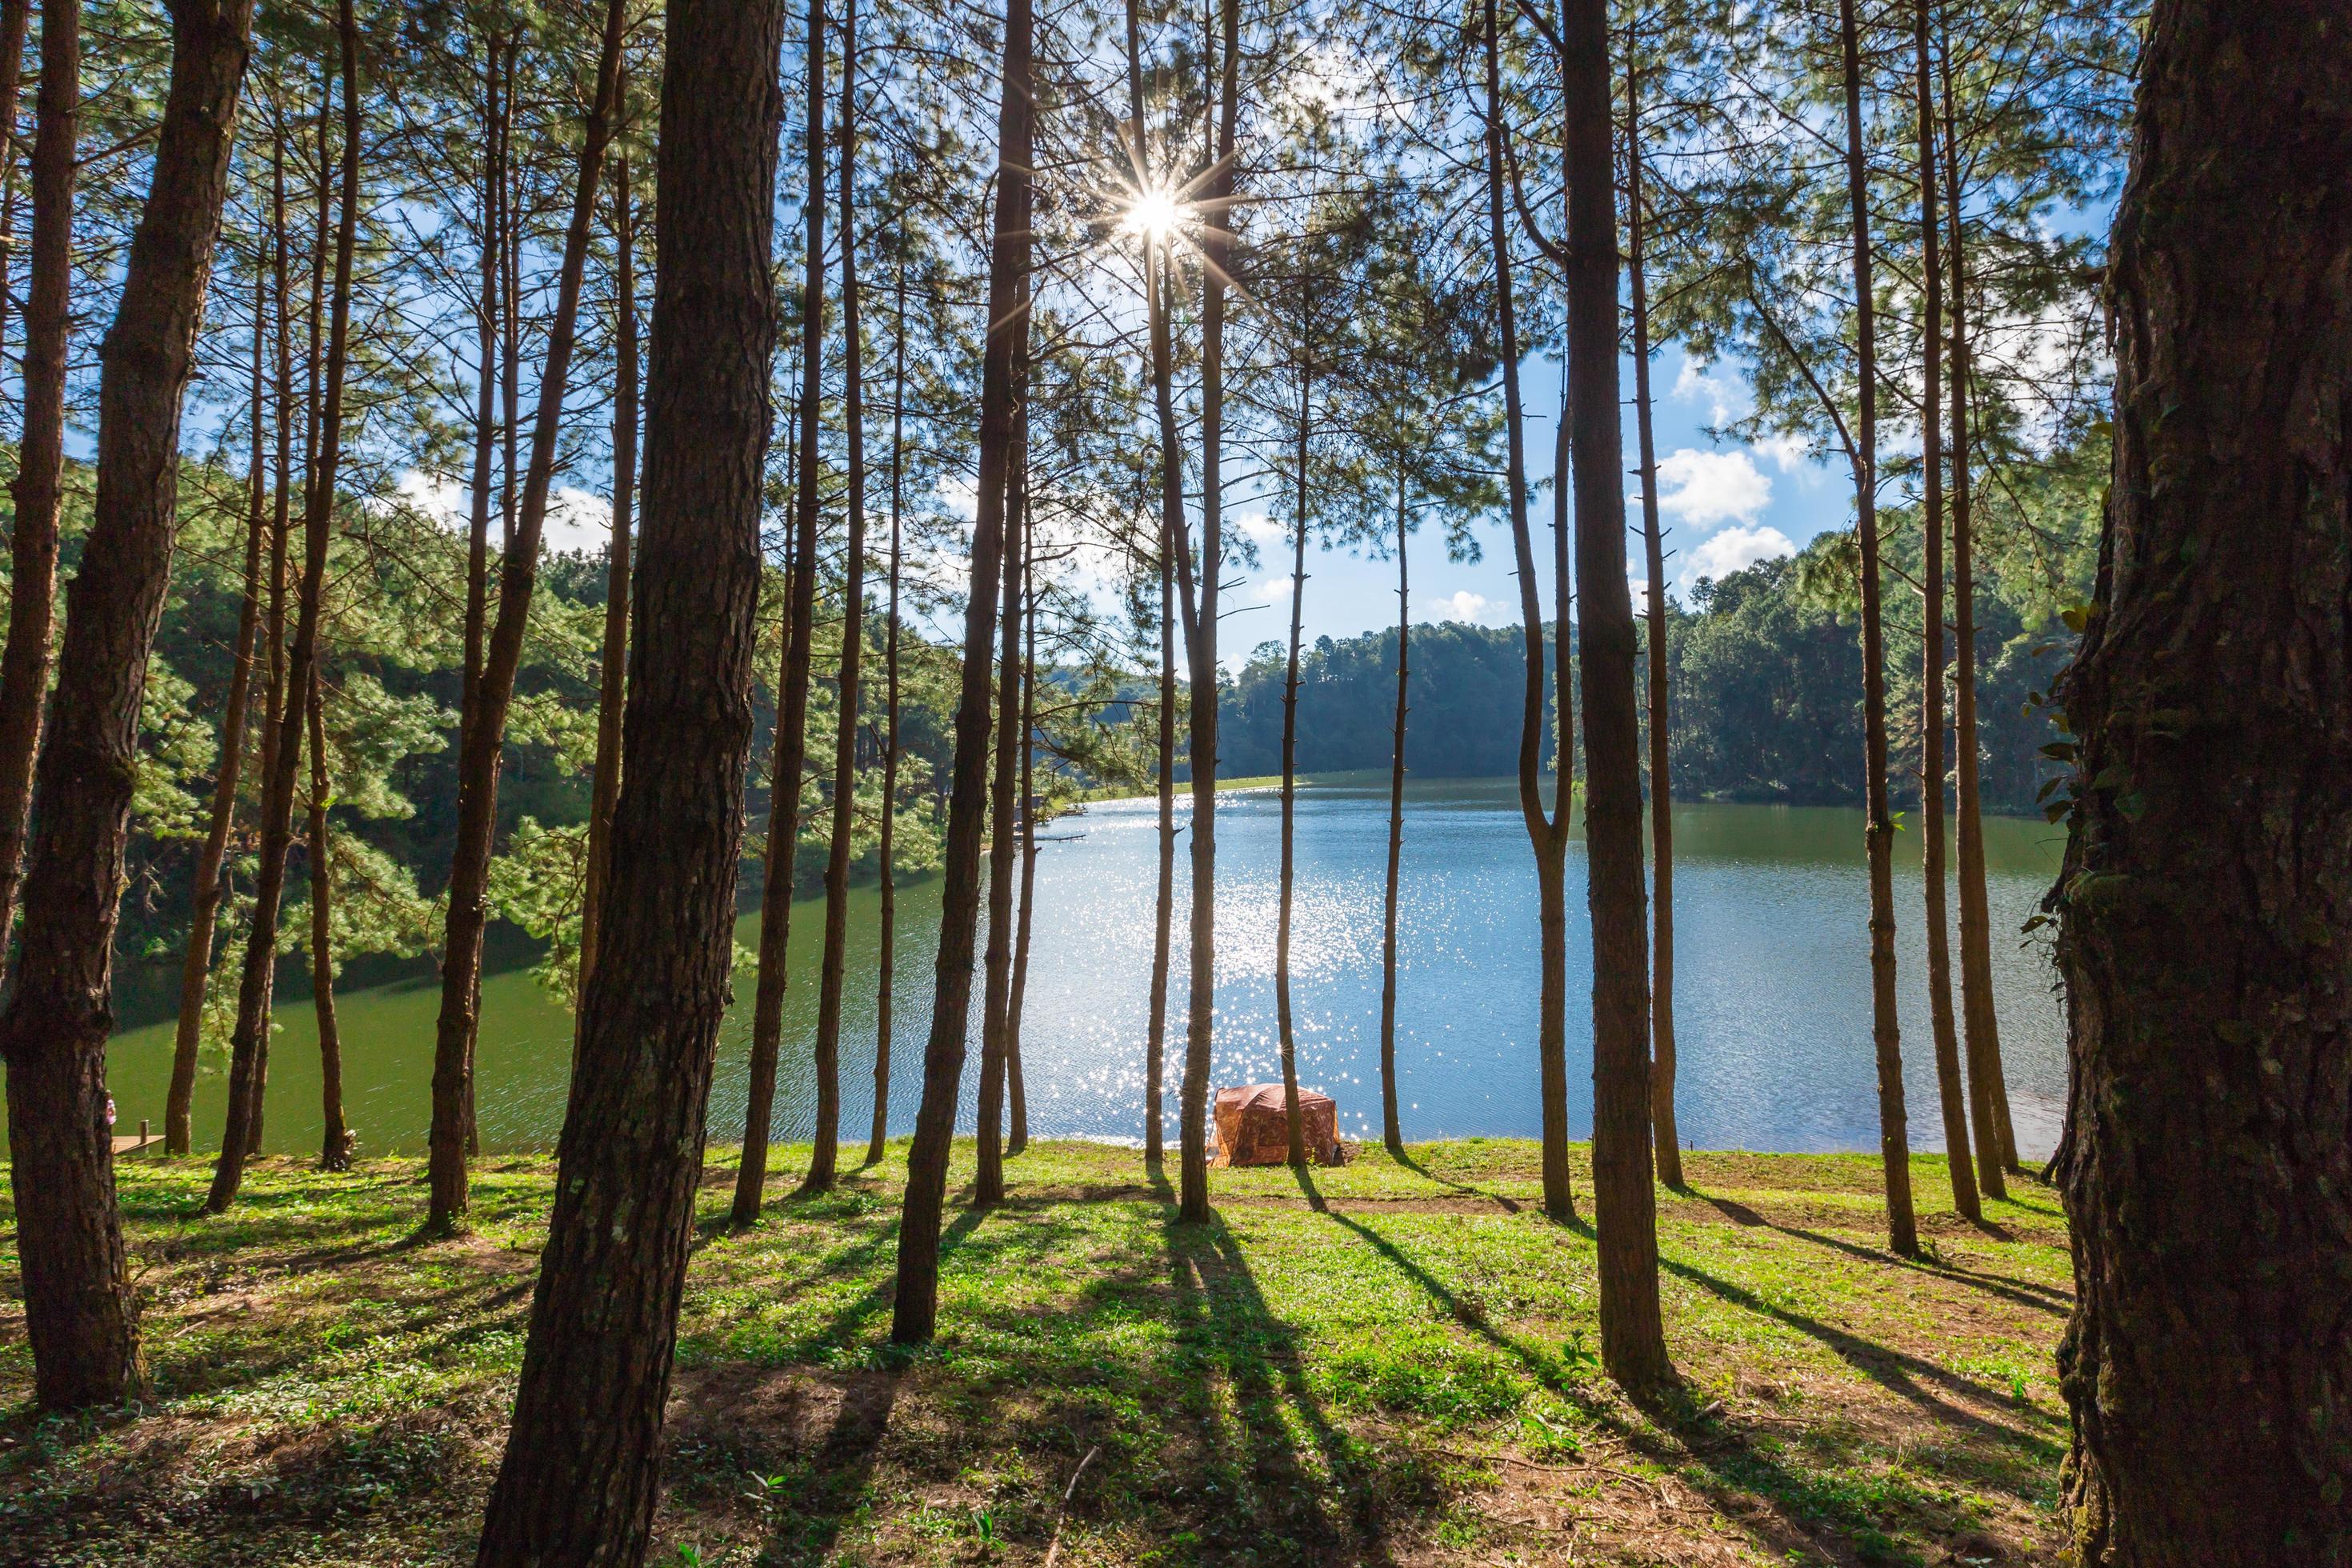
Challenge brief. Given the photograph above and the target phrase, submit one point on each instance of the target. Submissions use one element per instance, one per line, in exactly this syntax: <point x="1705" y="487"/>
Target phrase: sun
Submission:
<point x="1155" y="215"/>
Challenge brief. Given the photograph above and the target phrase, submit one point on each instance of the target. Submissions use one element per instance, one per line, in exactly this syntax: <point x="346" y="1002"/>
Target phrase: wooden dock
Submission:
<point x="138" y="1142"/>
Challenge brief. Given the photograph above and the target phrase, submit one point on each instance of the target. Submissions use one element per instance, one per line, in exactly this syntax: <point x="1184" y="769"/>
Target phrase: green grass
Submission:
<point x="1183" y="787"/>
<point x="1383" y="1362"/>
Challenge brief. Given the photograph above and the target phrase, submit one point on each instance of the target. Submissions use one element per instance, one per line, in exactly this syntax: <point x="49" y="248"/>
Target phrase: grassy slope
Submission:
<point x="1392" y="1365"/>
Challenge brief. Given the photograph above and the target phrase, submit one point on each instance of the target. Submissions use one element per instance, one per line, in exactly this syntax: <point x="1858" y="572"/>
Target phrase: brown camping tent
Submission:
<point x="1252" y="1129"/>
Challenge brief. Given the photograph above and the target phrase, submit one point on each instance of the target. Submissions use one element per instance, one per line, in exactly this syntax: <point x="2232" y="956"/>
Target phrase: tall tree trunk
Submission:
<point x="1949" y="1094"/>
<point x="1996" y="1144"/>
<point x="825" y="1158"/>
<point x="281" y="510"/>
<point x="335" y="1144"/>
<point x="1201" y="623"/>
<point x="886" y="944"/>
<point x="1894" y="1134"/>
<point x="79" y="1315"/>
<point x="478" y="748"/>
<point x="1016" y="1139"/>
<point x="988" y="1184"/>
<point x="914" y="1307"/>
<point x="249" y="1041"/>
<point x="1666" y="1136"/>
<point x="1391" y="1125"/>
<point x="793" y="687"/>
<point x="1296" y="1132"/>
<point x="1633" y="1338"/>
<point x="1547" y="835"/>
<point x="485" y="391"/>
<point x="40" y="454"/>
<point x="15" y="23"/>
<point x="196" y="965"/>
<point x="2202" y="904"/>
<point x="612" y="691"/>
<point x="1171" y="535"/>
<point x="582" y="1469"/>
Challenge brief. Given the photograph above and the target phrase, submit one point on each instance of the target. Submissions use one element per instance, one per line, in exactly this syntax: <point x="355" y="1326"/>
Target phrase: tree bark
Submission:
<point x="886" y="945"/>
<point x="196" y="965"/>
<point x="40" y="454"/>
<point x="1296" y="1133"/>
<point x="613" y="692"/>
<point x="15" y="25"/>
<point x="793" y="687"/>
<point x="582" y="1469"/>
<point x="1666" y="1137"/>
<point x="1633" y="1338"/>
<point x="452" y="1136"/>
<point x="1016" y="1138"/>
<point x="2203" y="897"/>
<point x="1988" y="1096"/>
<point x="80" y="1312"/>
<point x="1201" y="623"/>
<point x="1894" y="1134"/>
<point x="1391" y="1126"/>
<point x="1950" y="1096"/>
<point x="825" y="1158"/>
<point x="1547" y="834"/>
<point x="249" y="1042"/>
<point x="335" y="1145"/>
<point x="988" y="1184"/>
<point x="914" y="1311"/>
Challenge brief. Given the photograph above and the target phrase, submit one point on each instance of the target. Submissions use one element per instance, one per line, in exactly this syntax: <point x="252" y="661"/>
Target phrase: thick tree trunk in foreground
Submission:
<point x="1391" y="1128"/>
<point x="40" y="456"/>
<point x="612" y="691"/>
<point x="249" y="1040"/>
<point x="886" y="943"/>
<point x="1950" y="1096"/>
<point x="996" y="999"/>
<point x="335" y="1142"/>
<point x="197" y="963"/>
<point x="833" y="973"/>
<point x="793" y="684"/>
<point x="914" y="1310"/>
<point x="1666" y="1137"/>
<point x="78" y="1308"/>
<point x="1200" y="624"/>
<point x="452" y="1138"/>
<point x="1547" y="834"/>
<point x="1996" y="1149"/>
<point x="582" y="1470"/>
<point x="1894" y="1132"/>
<point x="2206" y="901"/>
<point x="1632" y="1339"/>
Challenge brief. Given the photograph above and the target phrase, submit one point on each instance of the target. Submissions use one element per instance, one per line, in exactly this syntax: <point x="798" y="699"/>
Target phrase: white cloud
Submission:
<point x="1733" y="548"/>
<point x="1789" y="454"/>
<point x="1274" y="591"/>
<point x="441" y="499"/>
<point x="1463" y="605"/>
<point x="1702" y="488"/>
<point x="1262" y="528"/>
<point x="1724" y="397"/>
<point x="576" y="519"/>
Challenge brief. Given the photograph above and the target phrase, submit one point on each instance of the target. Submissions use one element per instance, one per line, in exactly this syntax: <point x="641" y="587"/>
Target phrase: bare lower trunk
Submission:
<point x="1996" y="1151"/>
<point x="249" y="1041"/>
<point x="824" y="1159"/>
<point x="335" y="1145"/>
<point x="1289" y="1045"/>
<point x="79" y="1311"/>
<point x="1017" y="1135"/>
<point x="580" y="1471"/>
<point x="988" y="1184"/>
<point x="1949" y="1094"/>
<point x="454" y="1132"/>
<point x="1391" y="1127"/>
<point x="1894" y="1134"/>
<point x="885" y="979"/>
<point x="40" y="455"/>
<point x="196" y="966"/>
<point x="613" y="692"/>
<point x="792" y="687"/>
<point x="1666" y="1137"/>
<point x="914" y="1310"/>
<point x="2201" y="901"/>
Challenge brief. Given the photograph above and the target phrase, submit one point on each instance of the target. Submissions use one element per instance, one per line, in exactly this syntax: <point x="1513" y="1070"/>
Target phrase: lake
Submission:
<point x="1772" y="987"/>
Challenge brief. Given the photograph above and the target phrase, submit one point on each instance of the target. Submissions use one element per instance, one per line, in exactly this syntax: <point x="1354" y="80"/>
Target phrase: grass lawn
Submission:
<point x="1386" y="1363"/>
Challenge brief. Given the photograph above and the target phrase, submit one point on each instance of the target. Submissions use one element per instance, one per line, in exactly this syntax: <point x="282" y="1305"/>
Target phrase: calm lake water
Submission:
<point x="1772" y="993"/>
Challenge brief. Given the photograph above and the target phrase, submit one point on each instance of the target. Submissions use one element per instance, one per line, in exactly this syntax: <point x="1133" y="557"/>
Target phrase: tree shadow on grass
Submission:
<point x="1419" y="1168"/>
<point x="2009" y="1287"/>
